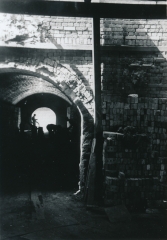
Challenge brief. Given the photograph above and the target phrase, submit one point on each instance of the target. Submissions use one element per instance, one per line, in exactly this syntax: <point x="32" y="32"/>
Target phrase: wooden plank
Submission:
<point x="49" y="46"/>
<point x="89" y="48"/>
<point x="124" y="48"/>
<point x="81" y="9"/>
<point x="97" y="107"/>
<point x="97" y="73"/>
<point x="96" y="156"/>
<point x="151" y="2"/>
<point x="91" y="176"/>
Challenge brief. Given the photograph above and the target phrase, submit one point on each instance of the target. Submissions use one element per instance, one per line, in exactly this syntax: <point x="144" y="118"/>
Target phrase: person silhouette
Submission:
<point x="34" y="120"/>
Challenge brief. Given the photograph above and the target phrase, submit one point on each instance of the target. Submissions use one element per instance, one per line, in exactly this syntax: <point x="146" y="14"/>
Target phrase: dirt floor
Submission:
<point x="37" y="201"/>
<point x="59" y="215"/>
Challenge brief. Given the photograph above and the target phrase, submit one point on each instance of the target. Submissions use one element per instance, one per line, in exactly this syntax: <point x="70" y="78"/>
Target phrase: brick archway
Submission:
<point x="70" y="87"/>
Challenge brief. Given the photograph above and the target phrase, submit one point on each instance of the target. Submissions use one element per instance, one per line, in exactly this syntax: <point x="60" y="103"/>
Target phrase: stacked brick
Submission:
<point x="133" y="162"/>
<point x="133" y="191"/>
<point x="134" y="93"/>
<point x="143" y="73"/>
<point x="143" y="173"/>
<point x="147" y="115"/>
<point x="133" y="32"/>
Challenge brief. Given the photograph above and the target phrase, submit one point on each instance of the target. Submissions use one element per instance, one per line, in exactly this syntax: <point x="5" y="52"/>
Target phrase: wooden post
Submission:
<point x="98" y="112"/>
<point x="97" y="74"/>
<point x="95" y="163"/>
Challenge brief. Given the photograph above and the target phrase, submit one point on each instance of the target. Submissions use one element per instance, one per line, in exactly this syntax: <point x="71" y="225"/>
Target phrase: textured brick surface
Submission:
<point x="125" y="73"/>
<point x="70" y="74"/>
<point x="65" y="74"/>
<point x="61" y="32"/>
<point x="44" y="32"/>
<point x="143" y="170"/>
<point x="142" y="76"/>
<point x="73" y="78"/>
<point x="15" y="88"/>
<point x="133" y="32"/>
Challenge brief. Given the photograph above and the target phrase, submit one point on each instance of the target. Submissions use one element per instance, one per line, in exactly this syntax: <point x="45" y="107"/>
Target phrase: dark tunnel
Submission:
<point x="35" y="160"/>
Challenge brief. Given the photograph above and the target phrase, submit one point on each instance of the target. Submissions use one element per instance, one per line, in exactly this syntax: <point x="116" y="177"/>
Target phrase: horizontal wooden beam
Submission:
<point x="139" y="2"/>
<point x="48" y="46"/>
<point x="89" y="48"/>
<point x="81" y="9"/>
<point x="123" y="48"/>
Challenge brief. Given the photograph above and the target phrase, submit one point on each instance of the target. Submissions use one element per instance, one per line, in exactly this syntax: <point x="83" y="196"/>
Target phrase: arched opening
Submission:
<point x="44" y="116"/>
<point x="55" y="156"/>
<point x="25" y="85"/>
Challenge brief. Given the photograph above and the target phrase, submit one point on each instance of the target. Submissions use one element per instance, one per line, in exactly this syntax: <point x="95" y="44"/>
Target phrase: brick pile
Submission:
<point x="134" y="93"/>
<point x="143" y="176"/>
<point x="147" y="114"/>
<point x="136" y="72"/>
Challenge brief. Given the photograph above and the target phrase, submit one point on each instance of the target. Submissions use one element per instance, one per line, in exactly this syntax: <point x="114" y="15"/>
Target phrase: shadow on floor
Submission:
<point x="59" y="215"/>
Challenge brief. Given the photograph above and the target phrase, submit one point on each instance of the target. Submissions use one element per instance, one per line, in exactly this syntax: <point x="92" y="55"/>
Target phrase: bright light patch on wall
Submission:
<point x="44" y="117"/>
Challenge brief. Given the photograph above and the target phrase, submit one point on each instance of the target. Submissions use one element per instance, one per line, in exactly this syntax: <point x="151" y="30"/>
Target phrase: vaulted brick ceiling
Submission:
<point x="15" y="87"/>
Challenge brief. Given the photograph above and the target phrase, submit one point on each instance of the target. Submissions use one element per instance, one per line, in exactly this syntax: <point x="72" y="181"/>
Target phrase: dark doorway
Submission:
<point x="44" y="162"/>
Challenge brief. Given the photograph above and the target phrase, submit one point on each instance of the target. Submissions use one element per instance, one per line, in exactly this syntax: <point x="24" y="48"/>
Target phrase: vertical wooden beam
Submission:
<point x="95" y="164"/>
<point x="97" y="74"/>
<point x="98" y="112"/>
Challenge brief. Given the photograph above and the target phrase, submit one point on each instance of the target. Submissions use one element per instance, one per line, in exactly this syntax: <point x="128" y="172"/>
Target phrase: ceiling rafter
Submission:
<point x="83" y="9"/>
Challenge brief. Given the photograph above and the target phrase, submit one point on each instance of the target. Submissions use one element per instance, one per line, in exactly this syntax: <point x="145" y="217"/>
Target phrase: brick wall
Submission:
<point x="44" y="32"/>
<point x="68" y="73"/>
<point x="133" y="32"/>
<point x="65" y="32"/>
<point x="79" y="62"/>
<point x="134" y="94"/>
<point x="134" y="72"/>
<point x="142" y="73"/>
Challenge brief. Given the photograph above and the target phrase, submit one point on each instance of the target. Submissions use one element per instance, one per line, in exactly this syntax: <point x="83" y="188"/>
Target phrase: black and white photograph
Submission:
<point x="83" y="119"/>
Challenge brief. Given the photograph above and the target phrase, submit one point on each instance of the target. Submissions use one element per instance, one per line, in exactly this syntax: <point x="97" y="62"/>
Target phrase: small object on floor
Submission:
<point x="118" y="213"/>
